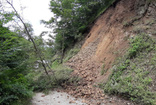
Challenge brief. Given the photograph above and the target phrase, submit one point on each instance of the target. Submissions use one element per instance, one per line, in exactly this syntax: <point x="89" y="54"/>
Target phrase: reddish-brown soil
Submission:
<point x="106" y="41"/>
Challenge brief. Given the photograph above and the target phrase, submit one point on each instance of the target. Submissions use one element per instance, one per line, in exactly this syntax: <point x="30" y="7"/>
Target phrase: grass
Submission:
<point x="134" y="74"/>
<point x="62" y="77"/>
<point x="103" y="70"/>
<point x="22" y="102"/>
<point x="41" y="82"/>
<point x="71" y="53"/>
<point x="131" y="21"/>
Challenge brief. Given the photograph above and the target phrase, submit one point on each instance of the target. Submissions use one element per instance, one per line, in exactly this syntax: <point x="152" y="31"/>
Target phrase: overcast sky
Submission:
<point x="35" y="11"/>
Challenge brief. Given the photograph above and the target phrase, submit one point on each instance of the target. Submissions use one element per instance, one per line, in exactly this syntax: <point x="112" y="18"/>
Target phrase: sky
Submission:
<point x="34" y="11"/>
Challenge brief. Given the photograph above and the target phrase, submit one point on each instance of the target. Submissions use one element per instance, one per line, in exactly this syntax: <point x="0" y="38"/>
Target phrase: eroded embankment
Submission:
<point x="106" y="41"/>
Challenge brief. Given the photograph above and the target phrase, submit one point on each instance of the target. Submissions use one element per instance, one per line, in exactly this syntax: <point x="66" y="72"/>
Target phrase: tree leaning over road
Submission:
<point x="32" y="40"/>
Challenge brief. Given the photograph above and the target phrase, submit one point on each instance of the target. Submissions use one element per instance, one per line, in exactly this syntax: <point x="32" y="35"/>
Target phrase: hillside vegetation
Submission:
<point x="134" y="74"/>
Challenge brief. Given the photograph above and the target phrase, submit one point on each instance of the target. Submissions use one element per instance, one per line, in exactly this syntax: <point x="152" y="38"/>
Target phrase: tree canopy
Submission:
<point x="13" y="63"/>
<point x="72" y="18"/>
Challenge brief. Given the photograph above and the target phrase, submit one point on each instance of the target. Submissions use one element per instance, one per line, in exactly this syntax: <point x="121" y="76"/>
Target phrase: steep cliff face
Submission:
<point x="108" y="38"/>
<point x="109" y="34"/>
<point x="109" y="31"/>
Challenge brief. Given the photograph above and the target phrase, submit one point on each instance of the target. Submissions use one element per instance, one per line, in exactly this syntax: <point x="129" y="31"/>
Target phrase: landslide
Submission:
<point x="107" y="41"/>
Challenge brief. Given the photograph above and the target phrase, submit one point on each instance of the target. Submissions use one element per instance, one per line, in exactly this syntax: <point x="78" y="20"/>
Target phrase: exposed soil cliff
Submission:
<point x="107" y="40"/>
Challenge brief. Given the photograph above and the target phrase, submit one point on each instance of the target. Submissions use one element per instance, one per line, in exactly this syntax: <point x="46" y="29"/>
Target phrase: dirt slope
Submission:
<point x="106" y="41"/>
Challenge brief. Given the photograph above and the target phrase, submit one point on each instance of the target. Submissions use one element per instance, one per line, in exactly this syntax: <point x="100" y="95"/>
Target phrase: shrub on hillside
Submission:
<point x="134" y="74"/>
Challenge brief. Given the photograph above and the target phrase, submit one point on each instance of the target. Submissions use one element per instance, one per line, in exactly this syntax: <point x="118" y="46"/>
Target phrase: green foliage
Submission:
<point x="75" y="16"/>
<point x="6" y="17"/>
<point x="11" y="50"/>
<point x="13" y="66"/>
<point x="42" y="83"/>
<point x="13" y="88"/>
<point x="139" y="43"/>
<point x="102" y="9"/>
<point x="134" y="74"/>
<point x="71" y="53"/>
<point x="103" y="69"/>
<point x="62" y="76"/>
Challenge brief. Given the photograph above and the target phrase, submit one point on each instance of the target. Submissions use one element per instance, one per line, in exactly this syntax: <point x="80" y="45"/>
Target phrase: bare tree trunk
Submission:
<point x="32" y="40"/>
<point x="62" y="55"/>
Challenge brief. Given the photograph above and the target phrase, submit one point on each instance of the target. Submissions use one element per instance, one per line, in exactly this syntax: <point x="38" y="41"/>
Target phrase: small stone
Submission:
<point x="72" y="101"/>
<point x="128" y="103"/>
<point x="98" y="103"/>
<point x="84" y="101"/>
<point x="106" y="97"/>
<point x="43" y="96"/>
<point x="68" y="97"/>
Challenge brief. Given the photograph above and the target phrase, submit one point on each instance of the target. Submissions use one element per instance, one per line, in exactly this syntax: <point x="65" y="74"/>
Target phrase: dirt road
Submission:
<point x="55" y="98"/>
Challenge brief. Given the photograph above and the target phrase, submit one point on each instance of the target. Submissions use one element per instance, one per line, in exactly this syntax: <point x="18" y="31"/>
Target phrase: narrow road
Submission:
<point x="55" y="98"/>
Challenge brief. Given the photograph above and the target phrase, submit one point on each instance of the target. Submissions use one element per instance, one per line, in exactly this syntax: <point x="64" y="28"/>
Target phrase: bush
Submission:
<point x="14" y="89"/>
<point x="14" y="86"/>
<point x="139" y="43"/>
<point x="62" y="76"/>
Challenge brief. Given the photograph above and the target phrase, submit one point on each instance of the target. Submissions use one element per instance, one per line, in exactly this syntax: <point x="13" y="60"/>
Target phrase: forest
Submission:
<point x="17" y="52"/>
